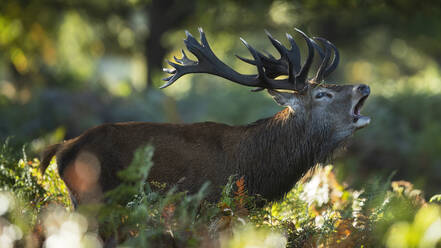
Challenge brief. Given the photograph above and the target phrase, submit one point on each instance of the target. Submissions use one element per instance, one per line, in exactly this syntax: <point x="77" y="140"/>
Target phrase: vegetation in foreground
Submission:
<point x="319" y="212"/>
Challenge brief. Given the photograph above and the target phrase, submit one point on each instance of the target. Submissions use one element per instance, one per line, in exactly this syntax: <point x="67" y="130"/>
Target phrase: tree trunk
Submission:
<point x="164" y="16"/>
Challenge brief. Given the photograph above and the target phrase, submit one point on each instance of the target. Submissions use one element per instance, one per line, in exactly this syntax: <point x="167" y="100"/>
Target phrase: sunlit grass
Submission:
<point x="423" y="231"/>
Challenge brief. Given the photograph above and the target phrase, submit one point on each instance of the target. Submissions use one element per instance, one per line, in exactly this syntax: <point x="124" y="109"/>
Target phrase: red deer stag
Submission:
<point x="272" y="154"/>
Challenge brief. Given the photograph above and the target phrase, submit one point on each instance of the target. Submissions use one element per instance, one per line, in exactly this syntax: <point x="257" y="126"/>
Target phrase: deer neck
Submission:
<point x="276" y="152"/>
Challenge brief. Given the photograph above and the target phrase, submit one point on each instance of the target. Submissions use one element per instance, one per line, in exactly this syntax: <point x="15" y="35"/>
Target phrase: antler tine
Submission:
<point x="249" y="61"/>
<point x="303" y="74"/>
<point x="179" y="70"/>
<point x="171" y="79"/>
<point x="273" y="67"/>
<point x="257" y="61"/>
<point x="321" y="70"/>
<point x="335" y="60"/>
<point x="268" y="57"/>
<point x="318" y="48"/>
<point x="261" y="56"/>
<point x="277" y="44"/>
<point x="196" y="48"/>
<point x="205" y="42"/>
<point x="286" y="55"/>
<point x="296" y="52"/>
<point x="184" y="60"/>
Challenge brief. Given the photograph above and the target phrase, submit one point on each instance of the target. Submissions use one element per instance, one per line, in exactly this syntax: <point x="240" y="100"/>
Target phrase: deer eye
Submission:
<point x="322" y="94"/>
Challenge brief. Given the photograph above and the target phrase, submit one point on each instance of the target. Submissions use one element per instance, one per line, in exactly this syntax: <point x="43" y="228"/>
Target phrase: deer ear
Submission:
<point x="283" y="98"/>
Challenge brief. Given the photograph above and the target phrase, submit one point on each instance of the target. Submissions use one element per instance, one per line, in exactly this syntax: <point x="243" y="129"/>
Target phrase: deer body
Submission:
<point x="271" y="154"/>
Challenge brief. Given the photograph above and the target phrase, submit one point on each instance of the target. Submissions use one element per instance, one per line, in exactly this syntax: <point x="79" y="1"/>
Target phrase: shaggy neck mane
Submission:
<point x="277" y="151"/>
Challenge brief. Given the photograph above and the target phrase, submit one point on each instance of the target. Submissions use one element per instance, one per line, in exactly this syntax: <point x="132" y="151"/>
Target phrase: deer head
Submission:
<point x="335" y="108"/>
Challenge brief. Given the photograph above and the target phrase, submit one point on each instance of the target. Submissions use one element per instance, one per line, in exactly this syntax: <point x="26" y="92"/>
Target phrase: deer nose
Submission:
<point x="364" y="89"/>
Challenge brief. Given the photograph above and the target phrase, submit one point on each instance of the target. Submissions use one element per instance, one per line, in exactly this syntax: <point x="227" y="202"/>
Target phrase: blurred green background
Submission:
<point x="68" y="65"/>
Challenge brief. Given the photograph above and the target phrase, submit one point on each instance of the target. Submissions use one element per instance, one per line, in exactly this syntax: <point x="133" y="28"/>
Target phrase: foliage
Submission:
<point x="319" y="211"/>
<point x="22" y="176"/>
<point x="25" y="193"/>
<point x="136" y="216"/>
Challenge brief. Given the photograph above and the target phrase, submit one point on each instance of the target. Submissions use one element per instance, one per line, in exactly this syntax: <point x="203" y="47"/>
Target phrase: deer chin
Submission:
<point x="361" y="121"/>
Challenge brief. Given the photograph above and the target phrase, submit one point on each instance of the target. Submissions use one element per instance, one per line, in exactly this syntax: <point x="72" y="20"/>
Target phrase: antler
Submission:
<point x="325" y="69"/>
<point x="268" y="68"/>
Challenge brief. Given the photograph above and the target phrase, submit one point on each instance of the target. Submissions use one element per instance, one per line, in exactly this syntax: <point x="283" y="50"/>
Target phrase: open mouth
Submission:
<point x="358" y="119"/>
